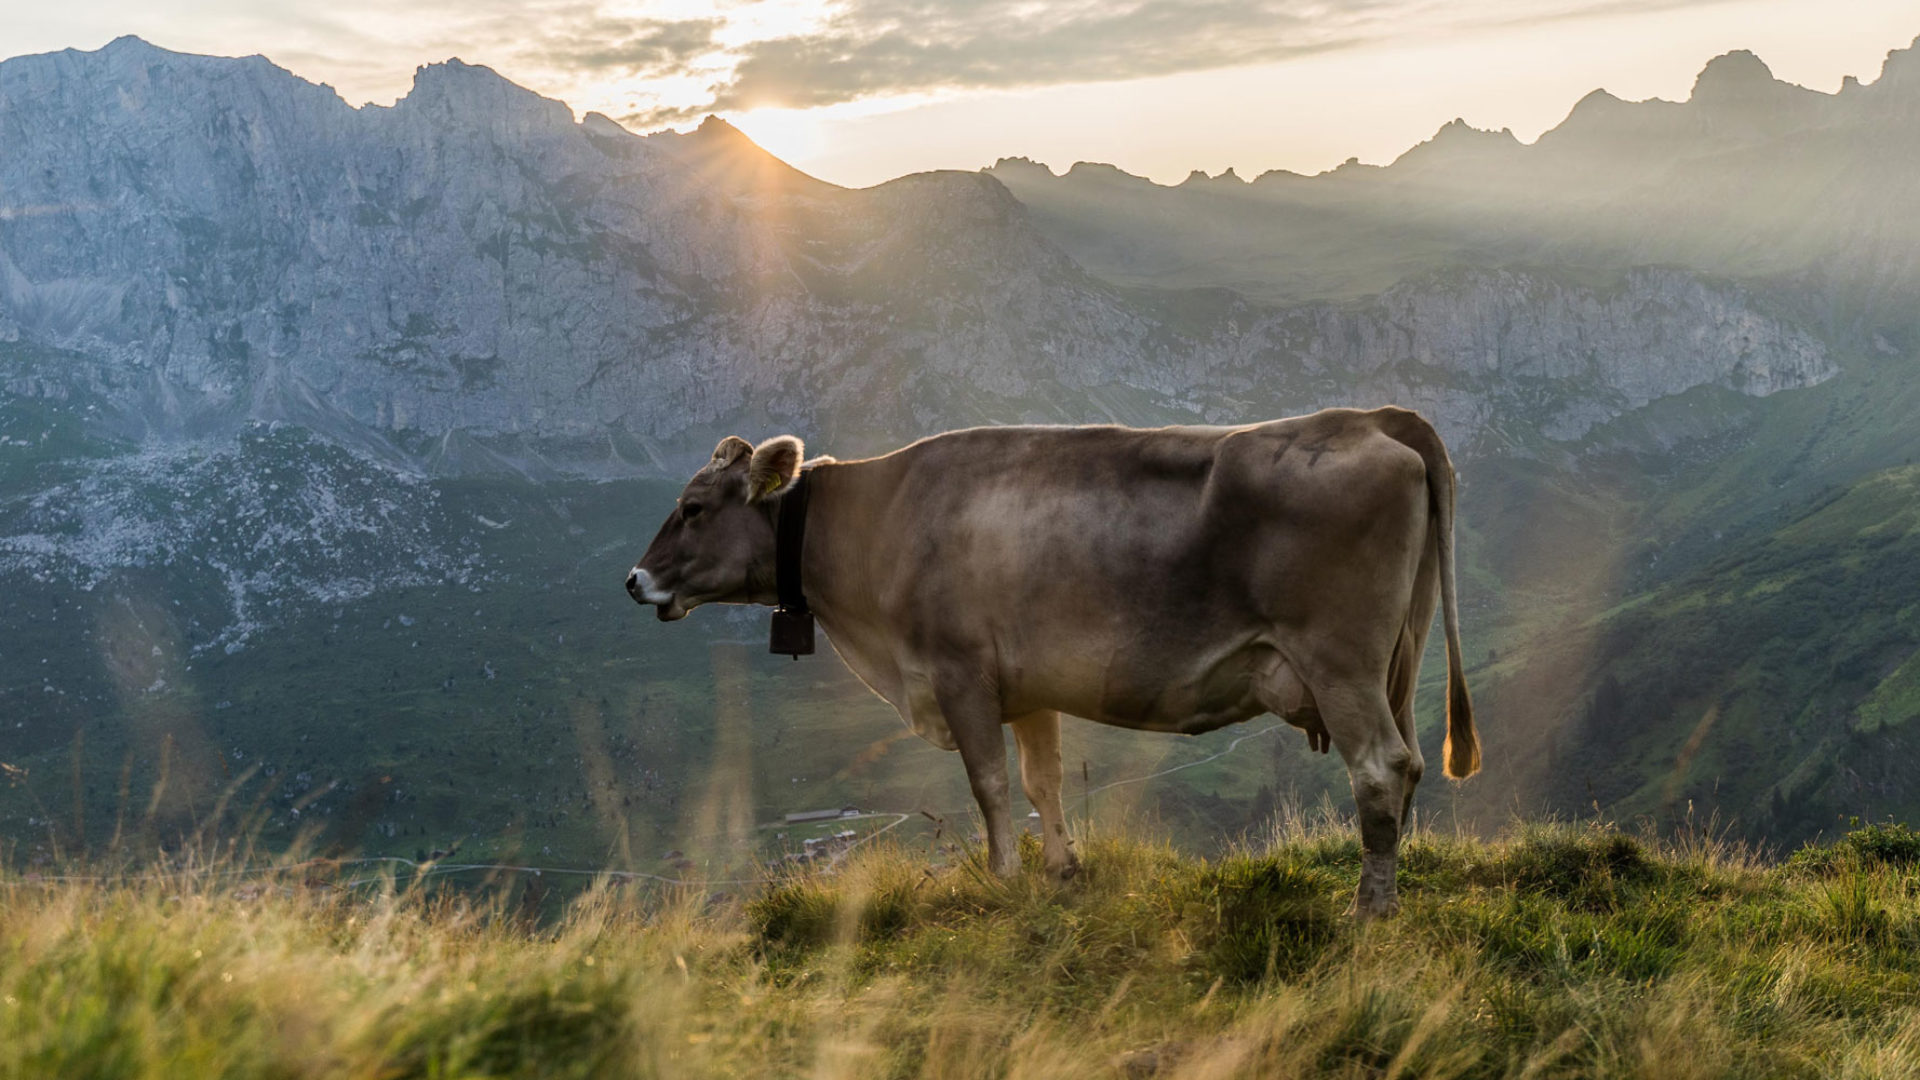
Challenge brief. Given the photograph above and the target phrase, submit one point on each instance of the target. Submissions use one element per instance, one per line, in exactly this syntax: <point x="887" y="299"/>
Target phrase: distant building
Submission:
<point x="805" y="816"/>
<point x="823" y="846"/>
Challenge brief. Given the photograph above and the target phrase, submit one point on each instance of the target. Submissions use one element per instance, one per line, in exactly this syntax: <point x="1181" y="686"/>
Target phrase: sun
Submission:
<point x="788" y="134"/>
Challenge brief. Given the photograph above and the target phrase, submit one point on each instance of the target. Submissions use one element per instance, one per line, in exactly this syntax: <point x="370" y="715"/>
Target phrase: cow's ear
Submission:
<point x="776" y="463"/>
<point x="730" y="451"/>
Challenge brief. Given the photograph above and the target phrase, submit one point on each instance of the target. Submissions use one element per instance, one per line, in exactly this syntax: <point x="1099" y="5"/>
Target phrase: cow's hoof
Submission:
<point x="1371" y="908"/>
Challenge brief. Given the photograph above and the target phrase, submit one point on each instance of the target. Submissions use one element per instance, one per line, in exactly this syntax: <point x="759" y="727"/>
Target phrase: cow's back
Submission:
<point x="1132" y="575"/>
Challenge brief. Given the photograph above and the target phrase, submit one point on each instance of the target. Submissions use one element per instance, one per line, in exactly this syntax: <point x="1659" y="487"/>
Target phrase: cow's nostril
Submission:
<point x="642" y="587"/>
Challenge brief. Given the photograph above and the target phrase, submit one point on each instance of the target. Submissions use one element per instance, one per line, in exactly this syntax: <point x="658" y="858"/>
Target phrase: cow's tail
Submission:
<point x="1462" y="750"/>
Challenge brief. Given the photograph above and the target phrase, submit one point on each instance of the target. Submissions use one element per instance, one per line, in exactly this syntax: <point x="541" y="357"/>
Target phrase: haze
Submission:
<point x="860" y="91"/>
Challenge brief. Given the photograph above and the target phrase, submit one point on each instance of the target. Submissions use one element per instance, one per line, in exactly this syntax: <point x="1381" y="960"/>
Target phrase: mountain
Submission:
<point x="469" y="266"/>
<point x="471" y="280"/>
<point x="326" y="433"/>
<point x="1750" y="177"/>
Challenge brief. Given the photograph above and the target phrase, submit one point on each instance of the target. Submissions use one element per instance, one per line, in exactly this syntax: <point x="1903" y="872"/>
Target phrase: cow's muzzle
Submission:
<point x="641" y="587"/>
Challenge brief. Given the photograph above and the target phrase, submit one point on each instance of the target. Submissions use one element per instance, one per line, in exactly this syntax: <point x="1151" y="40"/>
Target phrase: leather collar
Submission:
<point x="793" y="619"/>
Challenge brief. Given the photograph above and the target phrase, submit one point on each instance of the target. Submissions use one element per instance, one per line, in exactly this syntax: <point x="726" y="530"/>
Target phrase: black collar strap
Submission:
<point x="792" y="620"/>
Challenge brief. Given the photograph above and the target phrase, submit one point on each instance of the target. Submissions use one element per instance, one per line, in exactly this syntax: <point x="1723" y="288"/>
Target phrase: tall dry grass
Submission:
<point x="1557" y="951"/>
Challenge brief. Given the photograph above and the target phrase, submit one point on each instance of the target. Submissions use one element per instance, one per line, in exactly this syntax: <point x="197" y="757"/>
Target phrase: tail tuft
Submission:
<point x="1463" y="744"/>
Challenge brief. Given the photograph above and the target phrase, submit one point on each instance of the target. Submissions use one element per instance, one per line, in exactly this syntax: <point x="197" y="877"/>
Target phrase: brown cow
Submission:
<point x="1176" y="579"/>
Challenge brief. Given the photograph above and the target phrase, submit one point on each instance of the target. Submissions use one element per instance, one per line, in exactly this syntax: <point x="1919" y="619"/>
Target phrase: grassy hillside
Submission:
<point x="1803" y="645"/>
<point x="1555" y="951"/>
<point x="1726" y="624"/>
<point x="1767" y="682"/>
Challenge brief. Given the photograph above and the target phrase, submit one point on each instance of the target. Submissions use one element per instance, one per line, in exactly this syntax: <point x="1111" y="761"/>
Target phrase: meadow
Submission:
<point x="1554" y="950"/>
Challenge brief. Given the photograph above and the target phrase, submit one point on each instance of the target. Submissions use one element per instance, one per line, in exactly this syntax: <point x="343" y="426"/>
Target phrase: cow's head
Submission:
<point x="717" y="545"/>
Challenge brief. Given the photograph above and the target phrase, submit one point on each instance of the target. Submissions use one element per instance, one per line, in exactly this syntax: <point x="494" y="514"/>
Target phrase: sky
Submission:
<point x="860" y="91"/>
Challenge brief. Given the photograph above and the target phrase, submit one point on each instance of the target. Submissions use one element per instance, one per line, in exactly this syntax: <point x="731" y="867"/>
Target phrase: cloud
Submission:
<point x="879" y="48"/>
<point x="882" y="47"/>
<point x="662" y="68"/>
<point x="652" y="118"/>
<point x="664" y="62"/>
<point x="648" y="47"/>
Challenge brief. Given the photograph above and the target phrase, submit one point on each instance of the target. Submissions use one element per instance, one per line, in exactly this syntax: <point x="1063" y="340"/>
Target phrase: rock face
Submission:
<point x="1563" y="357"/>
<point x="471" y="280"/>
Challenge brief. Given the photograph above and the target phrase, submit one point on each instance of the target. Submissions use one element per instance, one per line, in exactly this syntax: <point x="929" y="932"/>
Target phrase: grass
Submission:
<point x="1553" y="951"/>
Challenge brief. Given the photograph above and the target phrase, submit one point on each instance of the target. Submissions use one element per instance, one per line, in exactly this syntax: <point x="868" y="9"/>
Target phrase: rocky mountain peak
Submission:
<point x="1598" y="110"/>
<point x="466" y="94"/>
<point x="133" y="67"/>
<point x="1901" y="72"/>
<point x="1598" y="100"/>
<point x="716" y="138"/>
<point x="134" y="49"/>
<point x="1199" y="177"/>
<point x="1020" y="164"/>
<point x="1733" y="76"/>
<point x="722" y="154"/>
<point x="1100" y="172"/>
<point x="134" y="44"/>
<point x="1458" y="143"/>
<point x="599" y="123"/>
<point x="713" y="127"/>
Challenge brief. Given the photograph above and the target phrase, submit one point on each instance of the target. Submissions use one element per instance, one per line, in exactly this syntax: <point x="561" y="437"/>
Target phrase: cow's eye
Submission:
<point x="691" y="511"/>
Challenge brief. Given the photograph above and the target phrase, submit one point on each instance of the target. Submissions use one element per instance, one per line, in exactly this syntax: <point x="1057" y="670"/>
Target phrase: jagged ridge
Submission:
<point x="470" y="279"/>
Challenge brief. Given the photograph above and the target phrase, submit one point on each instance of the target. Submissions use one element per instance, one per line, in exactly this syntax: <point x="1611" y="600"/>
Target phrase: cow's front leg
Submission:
<point x="972" y="713"/>
<point x="1038" y="736"/>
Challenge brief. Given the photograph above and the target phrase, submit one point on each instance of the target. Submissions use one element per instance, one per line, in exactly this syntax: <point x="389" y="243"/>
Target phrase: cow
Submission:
<point x="1174" y="579"/>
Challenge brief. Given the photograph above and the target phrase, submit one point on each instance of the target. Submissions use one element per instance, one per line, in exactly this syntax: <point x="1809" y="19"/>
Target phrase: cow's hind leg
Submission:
<point x="1038" y="736"/>
<point x="1380" y="766"/>
<point x="972" y="714"/>
<point x="1416" y="765"/>
<point x="1406" y="671"/>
